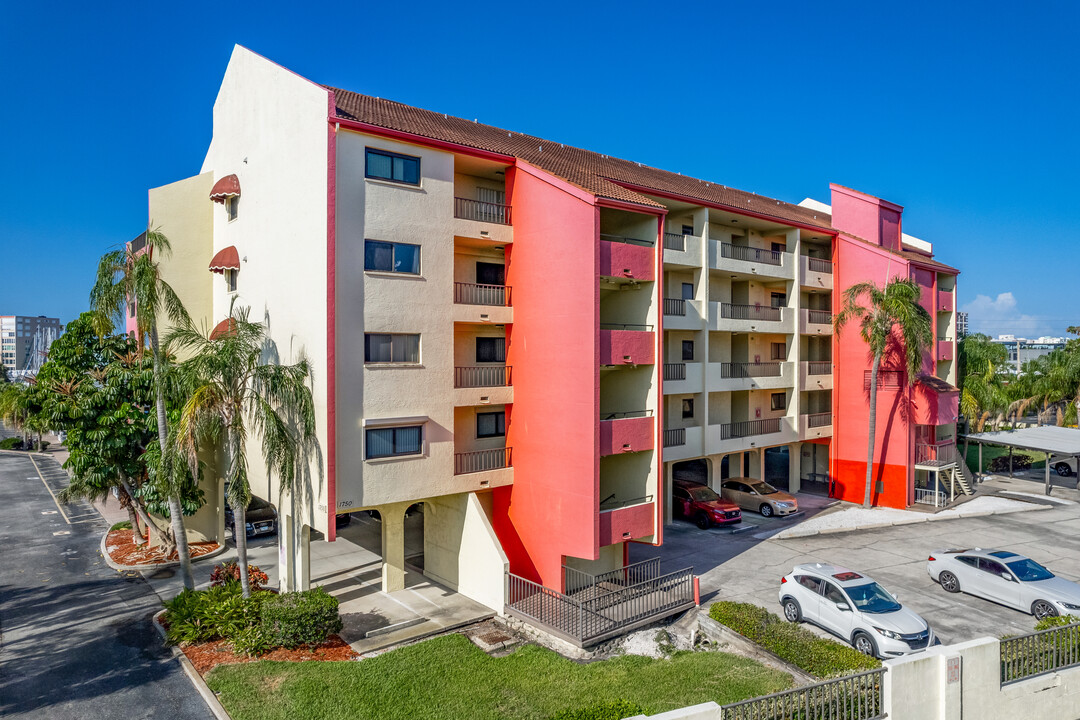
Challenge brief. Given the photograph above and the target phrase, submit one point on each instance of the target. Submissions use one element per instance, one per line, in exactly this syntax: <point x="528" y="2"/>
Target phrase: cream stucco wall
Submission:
<point x="461" y="550"/>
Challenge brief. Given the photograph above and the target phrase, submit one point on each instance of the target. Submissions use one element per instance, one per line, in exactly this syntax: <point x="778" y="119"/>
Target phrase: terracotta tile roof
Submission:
<point x="598" y="174"/>
<point x="937" y="384"/>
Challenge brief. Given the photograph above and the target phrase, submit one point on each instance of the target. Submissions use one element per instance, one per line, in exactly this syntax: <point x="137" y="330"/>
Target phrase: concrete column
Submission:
<point x="794" y="467"/>
<point x="761" y="464"/>
<point x="393" y="546"/>
<point x="980" y="459"/>
<point x="294" y="555"/>
<point x="669" y="471"/>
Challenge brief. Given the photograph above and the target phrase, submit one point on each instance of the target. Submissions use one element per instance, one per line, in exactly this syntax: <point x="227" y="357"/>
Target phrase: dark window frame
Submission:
<point x="368" y="151"/>
<point x="393" y="257"/>
<point x="688" y="345"/>
<point x="688" y="408"/>
<point x="395" y="428"/>
<point x="777" y="351"/>
<point x="497" y="432"/>
<point x="783" y="401"/>
<point x="392" y="361"/>
<point x="484" y="339"/>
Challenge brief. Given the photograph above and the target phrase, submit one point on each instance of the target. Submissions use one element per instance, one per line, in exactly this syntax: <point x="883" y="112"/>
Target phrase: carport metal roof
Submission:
<point x="1049" y="439"/>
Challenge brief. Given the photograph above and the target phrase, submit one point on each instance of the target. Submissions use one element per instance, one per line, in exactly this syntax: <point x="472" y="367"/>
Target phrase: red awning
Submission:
<point x="226" y="259"/>
<point x="223" y="329"/>
<point x="226" y="187"/>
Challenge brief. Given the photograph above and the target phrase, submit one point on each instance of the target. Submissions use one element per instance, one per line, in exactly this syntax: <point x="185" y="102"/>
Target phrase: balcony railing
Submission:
<point x="627" y="414"/>
<point x="482" y="376"/>
<point x="814" y="264"/>
<point x="473" y="294"/>
<point x="750" y="312"/>
<point x="939" y="454"/>
<point x="675" y="306"/>
<point x="481" y="460"/>
<point x="819" y="367"/>
<point x="749" y="428"/>
<point x="674" y="371"/>
<point x="467" y="209"/>
<point x="819" y="317"/>
<point x="673" y="241"/>
<point x="817" y="420"/>
<point x="627" y="240"/>
<point x="674" y="437"/>
<point x="750" y="254"/>
<point x="626" y="326"/>
<point x="749" y="370"/>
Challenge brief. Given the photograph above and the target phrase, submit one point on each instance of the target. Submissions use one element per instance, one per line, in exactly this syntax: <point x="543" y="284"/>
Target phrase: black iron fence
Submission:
<point x="474" y="294"/>
<point x="674" y="371"/>
<point x="750" y="254"/>
<point x="627" y="240"/>
<point x="1039" y="653"/>
<point x="750" y="312"/>
<point x="481" y="460"/>
<point x="674" y="306"/>
<point x="627" y="414"/>
<point x="749" y="370"/>
<point x="673" y="241"/>
<point x="816" y="420"/>
<point x="749" y="428"/>
<point x="482" y="376"/>
<point x="854" y="697"/>
<point x="819" y="317"/>
<point x="467" y="209"/>
<point x="819" y="367"/>
<point x="674" y="437"/>
<point x="814" y="264"/>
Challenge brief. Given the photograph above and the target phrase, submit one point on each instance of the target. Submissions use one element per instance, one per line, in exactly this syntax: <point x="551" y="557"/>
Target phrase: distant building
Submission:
<point x="1022" y="350"/>
<point x="25" y="340"/>
<point x="961" y="323"/>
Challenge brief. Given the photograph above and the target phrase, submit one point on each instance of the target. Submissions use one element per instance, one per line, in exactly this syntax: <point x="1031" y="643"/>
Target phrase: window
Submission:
<point x="687" y="350"/>
<point x="973" y="562"/>
<point x="392" y="257"/>
<point x="779" y="247"/>
<point x="232" y="204"/>
<point x="688" y="291"/>
<point x="391" y="348"/>
<point x="490" y="273"/>
<point x="833" y="594"/>
<point x="394" y="441"/>
<point x="778" y="300"/>
<point x="687" y="229"/>
<point x="490" y="349"/>
<point x="809" y="582"/>
<point x="779" y="350"/>
<point x="383" y="165"/>
<point x="688" y="408"/>
<point x="492" y="424"/>
<point x="131" y="309"/>
<point x="680" y="494"/>
<point x="779" y="401"/>
<point x="230" y="280"/>
<point x="994" y="568"/>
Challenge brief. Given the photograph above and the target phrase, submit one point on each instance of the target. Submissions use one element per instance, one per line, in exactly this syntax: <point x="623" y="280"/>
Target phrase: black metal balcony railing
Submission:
<point x="481" y="460"/>
<point x="482" y="376"/>
<point x="935" y="454"/>
<point x="674" y="437"/>
<point x="467" y="209"/>
<point x="674" y="306"/>
<point x="816" y="420"/>
<point x="819" y="317"/>
<point x="885" y="378"/>
<point x="749" y="428"/>
<point x="819" y="367"/>
<point x="814" y="264"/>
<point x="627" y="240"/>
<point x="749" y="370"/>
<point x="474" y="294"/>
<point x="750" y="312"/>
<point x="674" y="371"/>
<point x="625" y="326"/>
<point x="750" y="254"/>
<point x="627" y="414"/>
<point x="673" y="241"/>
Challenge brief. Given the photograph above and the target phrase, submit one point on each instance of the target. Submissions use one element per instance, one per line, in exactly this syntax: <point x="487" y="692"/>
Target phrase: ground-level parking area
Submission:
<point x="747" y="567"/>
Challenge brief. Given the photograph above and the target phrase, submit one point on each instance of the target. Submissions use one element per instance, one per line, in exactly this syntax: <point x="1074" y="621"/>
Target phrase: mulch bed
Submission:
<point x="206" y="656"/>
<point x="123" y="551"/>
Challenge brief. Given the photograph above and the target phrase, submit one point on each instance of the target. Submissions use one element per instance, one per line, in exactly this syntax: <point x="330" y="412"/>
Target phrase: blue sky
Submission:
<point x="965" y="113"/>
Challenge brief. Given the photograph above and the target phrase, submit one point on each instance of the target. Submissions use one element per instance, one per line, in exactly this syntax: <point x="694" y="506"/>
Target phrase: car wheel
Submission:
<point x="864" y="644"/>
<point x="1063" y="469"/>
<point x="1042" y="610"/>
<point x="792" y="611"/>
<point x="948" y="582"/>
<point x="765" y="510"/>
<point x="702" y="521"/>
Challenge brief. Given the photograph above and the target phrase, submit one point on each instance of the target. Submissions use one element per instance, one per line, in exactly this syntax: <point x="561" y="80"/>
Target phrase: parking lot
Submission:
<point x="747" y="566"/>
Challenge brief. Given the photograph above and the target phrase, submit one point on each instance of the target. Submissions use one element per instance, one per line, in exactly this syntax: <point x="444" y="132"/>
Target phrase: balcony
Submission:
<point x="682" y="378"/>
<point x="488" y="304"/>
<point x="483" y="385"/>
<point x="815" y="375"/>
<point x="749" y="434"/>
<point x="626" y="432"/>
<point x="935" y="455"/>
<point x="478" y="461"/>
<point x="682" y="314"/>
<point x="729" y="376"/>
<point x="682" y="250"/>
<point x="815" y="322"/>
<point x="944" y="350"/>
<point x="816" y="273"/>
<point x="486" y="212"/>
<point x="945" y="301"/>
<point x="482" y="223"/>
<point x="750" y="260"/>
<point x="627" y="523"/>
<point x="729" y="317"/>
<point x="749" y="428"/>
<point x="623" y="259"/>
<point x="815" y="425"/>
<point x="683" y="443"/>
<point x="627" y="344"/>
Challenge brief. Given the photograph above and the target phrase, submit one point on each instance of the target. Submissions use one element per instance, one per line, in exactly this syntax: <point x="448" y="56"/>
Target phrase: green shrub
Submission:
<point x="252" y="641"/>
<point x="614" y="710"/>
<point x="42" y="445"/>
<point x="795" y="644"/>
<point x="11" y="443"/>
<point x="126" y="525"/>
<point x="300" y="618"/>
<point x="214" y="614"/>
<point x="1056" y="621"/>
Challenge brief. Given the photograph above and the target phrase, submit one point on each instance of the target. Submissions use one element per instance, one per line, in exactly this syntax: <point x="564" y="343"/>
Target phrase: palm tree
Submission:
<point x="232" y="384"/>
<point x="126" y="276"/>
<point x="893" y="316"/>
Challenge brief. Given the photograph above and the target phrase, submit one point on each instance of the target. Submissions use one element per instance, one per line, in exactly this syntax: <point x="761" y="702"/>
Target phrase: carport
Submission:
<point x="1049" y="439"/>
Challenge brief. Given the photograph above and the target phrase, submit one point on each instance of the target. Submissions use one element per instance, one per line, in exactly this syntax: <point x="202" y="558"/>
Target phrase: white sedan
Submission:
<point x="1005" y="578"/>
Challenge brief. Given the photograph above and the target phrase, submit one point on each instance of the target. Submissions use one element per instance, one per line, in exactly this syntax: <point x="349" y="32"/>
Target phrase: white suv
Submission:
<point x="854" y="608"/>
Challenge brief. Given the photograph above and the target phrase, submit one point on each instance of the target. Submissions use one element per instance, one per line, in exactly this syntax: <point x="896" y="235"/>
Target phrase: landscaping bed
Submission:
<point x="208" y="655"/>
<point x="123" y="551"/>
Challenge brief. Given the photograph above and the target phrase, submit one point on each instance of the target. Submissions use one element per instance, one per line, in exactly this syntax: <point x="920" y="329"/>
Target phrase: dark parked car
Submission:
<point x="261" y="518"/>
<point x="342" y="519"/>
<point x="701" y="504"/>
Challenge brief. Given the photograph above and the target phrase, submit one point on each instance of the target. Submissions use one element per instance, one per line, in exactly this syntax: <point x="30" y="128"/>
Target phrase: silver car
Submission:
<point x="855" y="608"/>
<point x="1005" y="578"/>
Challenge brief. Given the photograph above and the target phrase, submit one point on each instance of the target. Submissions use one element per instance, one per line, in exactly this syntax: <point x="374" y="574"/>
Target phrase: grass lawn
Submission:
<point x="449" y="677"/>
<point x="1038" y="460"/>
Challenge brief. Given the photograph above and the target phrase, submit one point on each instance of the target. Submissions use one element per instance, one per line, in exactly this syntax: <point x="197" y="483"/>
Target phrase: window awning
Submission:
<point x="225" y="328"/>
<point x="226" y="259"/>
<point x="937" y="384"/>
<point x="226" y="187"/>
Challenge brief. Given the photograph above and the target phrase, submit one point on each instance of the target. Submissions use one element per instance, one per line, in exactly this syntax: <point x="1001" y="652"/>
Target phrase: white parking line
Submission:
<point x="53" y="496"/>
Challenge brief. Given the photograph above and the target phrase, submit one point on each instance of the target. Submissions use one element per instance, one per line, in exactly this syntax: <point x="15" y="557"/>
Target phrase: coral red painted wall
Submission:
<point x="553" y="345"/>
<point x="615" y="435"/>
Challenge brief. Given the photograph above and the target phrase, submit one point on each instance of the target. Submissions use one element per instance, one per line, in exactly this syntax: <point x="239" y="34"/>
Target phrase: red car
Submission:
<point x="701" y="504"/>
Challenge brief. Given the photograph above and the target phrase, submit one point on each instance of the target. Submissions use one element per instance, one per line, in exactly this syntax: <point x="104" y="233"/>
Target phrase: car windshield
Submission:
<point x="872" y="598"/>
<point x="763" y="488"/>
<point x="1029" y="570"/>
<point x="704" y="494"/>
<point x="257" y="504"/>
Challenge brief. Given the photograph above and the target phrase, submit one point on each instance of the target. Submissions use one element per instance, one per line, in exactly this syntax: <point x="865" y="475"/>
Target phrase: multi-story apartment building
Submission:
<point x="961" y="323"/>
<point x="1022" y="350"/>
<point x="24" y="340"/>
<point x="527" y="337"/>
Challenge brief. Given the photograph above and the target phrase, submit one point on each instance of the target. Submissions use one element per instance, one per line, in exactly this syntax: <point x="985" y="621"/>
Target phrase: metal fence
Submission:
<point x="673" y="241"/>
<point x="935" y="454"/>
<point x="729" y="431"/>
<point x="627" y="240"/>
<point x="1040" y="652"/>
<point x="819" y="367"/>
<point x="474" y="294"/>
<point x="855" y="697"/>
<point x="814" y="264"/>
<point x="750" y="312"/>
<point x="674" y="437"/>
<point x="749" y="370"/>
<point x="926" y="496"/>
<point x="481" y="460"/>
<point x="819" y="317"/>
<point x="674" y="371"/>
<point x="674" y="306"/>
<point x="574" y="579"/>
<point x="627" y="414"/>
<point x="816" y="420"/>
<point x="626" y="326"/>
<point x="482" y="376"/>
<point x="467" y="209"/>
<point x="750" y="254"/>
